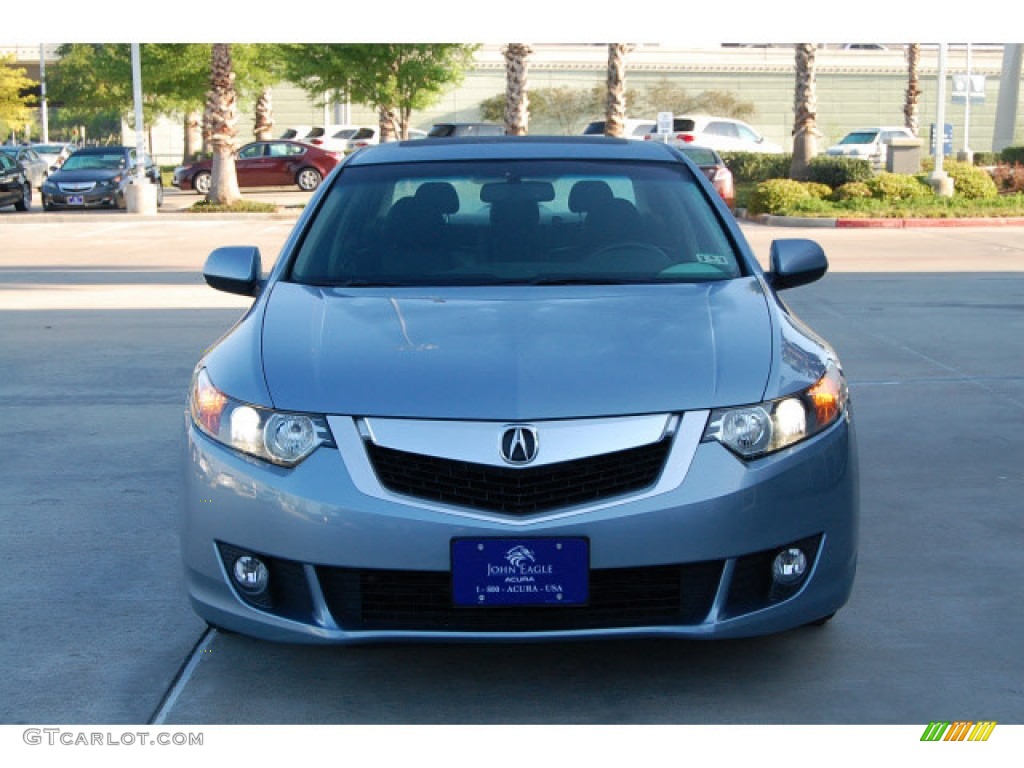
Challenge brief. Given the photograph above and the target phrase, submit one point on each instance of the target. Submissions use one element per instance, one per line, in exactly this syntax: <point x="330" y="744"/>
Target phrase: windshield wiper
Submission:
<point x="565" y="280"/>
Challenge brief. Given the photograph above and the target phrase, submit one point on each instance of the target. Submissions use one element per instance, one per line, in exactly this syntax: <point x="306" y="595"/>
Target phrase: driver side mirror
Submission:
<point x="794" y="262"/>
<point x="234" y="269"/>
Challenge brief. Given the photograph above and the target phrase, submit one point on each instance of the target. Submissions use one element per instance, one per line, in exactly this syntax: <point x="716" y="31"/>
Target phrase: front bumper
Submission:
<point x="94" y="198"/>
<point x="690" y="562"/>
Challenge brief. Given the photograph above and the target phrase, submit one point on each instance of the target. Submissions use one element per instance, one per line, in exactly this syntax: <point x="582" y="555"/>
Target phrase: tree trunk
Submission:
<point x="805" y="106"/>
<point x="264" y="128"/>
<point x="910" y="118"/>
<point x="517" y="99"/>
<point x="390" y="124"/>
<point x="193" y="136"/>
<point x="615" y="110"/>
<point x="222" y="116"/>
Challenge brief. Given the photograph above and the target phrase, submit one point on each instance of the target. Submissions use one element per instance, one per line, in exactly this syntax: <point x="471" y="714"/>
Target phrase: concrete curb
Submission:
<point x="827" y="223"/>
<point x="39" y="217"/>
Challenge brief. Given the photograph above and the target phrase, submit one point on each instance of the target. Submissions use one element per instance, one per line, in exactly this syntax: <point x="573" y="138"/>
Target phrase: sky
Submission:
<point x="538" y="21"/>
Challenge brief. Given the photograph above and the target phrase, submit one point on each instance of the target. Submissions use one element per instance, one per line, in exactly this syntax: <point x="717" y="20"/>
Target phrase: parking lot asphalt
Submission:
<point x="102" y="319"/>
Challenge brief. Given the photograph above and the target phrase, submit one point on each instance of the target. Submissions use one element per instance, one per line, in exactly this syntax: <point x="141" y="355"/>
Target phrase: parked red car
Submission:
<point x="275" y="163"/>
<point x="714" y="167"/>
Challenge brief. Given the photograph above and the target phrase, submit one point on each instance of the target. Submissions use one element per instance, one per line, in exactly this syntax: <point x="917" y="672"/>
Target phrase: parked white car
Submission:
<point x="724" y="134"/>
<point x="633" y="129"/>
<point x="339" y="138"/>
<point x="869" y="143"/>
<point x="296" y="132"/>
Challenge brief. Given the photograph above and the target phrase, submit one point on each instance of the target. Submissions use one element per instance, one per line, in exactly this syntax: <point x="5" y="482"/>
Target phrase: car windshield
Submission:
<point x="860" y="137"/>
<point x="515" y="222"/>
<point x="91" y="162"/>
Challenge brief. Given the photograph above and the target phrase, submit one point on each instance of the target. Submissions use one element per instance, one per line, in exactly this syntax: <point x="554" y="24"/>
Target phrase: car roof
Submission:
<point x="103" y="150"/>
<point x="513" y="148"/>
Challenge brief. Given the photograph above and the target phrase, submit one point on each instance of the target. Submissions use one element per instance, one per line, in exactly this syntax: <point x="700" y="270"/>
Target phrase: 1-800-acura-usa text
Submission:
<point x="518" y="388"/>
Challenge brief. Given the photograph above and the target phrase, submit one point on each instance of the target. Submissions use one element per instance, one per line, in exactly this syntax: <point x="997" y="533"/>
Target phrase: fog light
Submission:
<point x="251" y="575"/>
<point x="789" y="566"/>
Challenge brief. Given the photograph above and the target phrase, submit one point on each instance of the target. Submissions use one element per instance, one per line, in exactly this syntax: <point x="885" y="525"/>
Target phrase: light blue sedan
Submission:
<point x="518" y="389"/>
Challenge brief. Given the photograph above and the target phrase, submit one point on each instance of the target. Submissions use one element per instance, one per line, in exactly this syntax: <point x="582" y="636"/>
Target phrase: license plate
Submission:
<point x="76" y="200"/>
<point x="488" y="572"/>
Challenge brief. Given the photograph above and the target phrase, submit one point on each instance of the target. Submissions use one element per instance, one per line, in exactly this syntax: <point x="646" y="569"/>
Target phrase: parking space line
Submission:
<point x="184" y="675"/>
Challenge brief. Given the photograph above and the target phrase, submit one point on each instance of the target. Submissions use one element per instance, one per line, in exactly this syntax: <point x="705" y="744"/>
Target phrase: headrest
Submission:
<point x="588" y="195"/>
<point x="439" y="195"/>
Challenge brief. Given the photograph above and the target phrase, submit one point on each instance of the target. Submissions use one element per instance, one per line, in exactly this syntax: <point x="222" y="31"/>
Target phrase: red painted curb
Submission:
<point x="924" y="223"/>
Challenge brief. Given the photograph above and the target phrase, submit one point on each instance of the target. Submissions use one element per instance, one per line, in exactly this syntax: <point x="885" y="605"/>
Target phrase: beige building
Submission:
<point x="856" y="88"/>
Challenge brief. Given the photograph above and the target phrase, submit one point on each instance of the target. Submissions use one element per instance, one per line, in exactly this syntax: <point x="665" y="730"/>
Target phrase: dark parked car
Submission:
<point x="14" y="186"/>
<point x="97" y="177"/>
<point x="518" y="388"/>
<point x="464" y="130"/>
<point x="36" y="168"/>
<point x="276" y="163"/>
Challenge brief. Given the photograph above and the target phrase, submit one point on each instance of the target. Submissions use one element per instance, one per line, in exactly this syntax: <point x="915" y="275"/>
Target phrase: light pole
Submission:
<point x="42" y="92"/>
<point x="140" y="195"/>
<point x="939" y="179"/>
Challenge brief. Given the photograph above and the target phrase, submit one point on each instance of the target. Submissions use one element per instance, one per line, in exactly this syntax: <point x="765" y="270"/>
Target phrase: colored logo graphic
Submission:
<point x="519" y="555"/>
<point x="960" y="730"/>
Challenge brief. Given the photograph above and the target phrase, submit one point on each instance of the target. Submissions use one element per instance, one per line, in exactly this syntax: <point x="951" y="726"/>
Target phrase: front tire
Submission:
<point x="308" y="179"/>
<point x="202" y="182"/>
<point x="26" y="198"/>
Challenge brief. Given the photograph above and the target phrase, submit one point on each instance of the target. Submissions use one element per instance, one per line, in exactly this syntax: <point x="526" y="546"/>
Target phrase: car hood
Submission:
<point x="516" y="353"/>
<point x="96" y="174"/>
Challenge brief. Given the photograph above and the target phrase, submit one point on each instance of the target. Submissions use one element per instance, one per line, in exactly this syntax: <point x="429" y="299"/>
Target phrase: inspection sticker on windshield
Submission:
<point x="714" y="259"/>
<point x="520" y="571"/>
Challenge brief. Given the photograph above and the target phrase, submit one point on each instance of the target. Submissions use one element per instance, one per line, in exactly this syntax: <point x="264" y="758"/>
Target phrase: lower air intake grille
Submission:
<point x="619" y="597"/>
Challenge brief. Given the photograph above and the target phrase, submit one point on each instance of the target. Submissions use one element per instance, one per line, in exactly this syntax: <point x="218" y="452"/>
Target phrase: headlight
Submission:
<point x="281" y="438"/>
<point x="755" y="430"/>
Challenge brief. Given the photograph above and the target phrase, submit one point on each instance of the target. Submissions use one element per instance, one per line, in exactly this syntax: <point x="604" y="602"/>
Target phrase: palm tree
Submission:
<point x="390" y="124"/>
<point x="220" y="117"/>
<point x="805" y="105"/>
<point x="517" y="100"/>
<point x="194" y="144"/>
<point x="263" y="130"/>
<point x="913" y="88"/>
<point x="615" y="109"/>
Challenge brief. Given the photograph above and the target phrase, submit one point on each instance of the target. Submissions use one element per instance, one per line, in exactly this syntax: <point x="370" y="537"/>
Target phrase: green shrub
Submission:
<point x="969" y="181"/>
<point x="777" y="196"/>
<point x="1012" y="155"/>
<point x="852" y="190"/>
<point x="836" y="171"/>
<point x="818" y="191"/>
<point x="241" y="206"/>
<point x="757" y="166"/>
<point x="986" y="158"/>
<point x="895" y="187"/>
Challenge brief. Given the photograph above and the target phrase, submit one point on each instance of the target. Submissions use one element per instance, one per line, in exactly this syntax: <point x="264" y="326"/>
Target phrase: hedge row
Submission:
<point x="1012" y="155"/>
<point x="784" y="196"/>
<point x="833" y="171"/>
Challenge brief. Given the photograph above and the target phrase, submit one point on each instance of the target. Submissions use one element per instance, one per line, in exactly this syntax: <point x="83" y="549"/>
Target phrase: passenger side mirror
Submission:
<point x="234" y="269"/>
<point x="794" y="262"/>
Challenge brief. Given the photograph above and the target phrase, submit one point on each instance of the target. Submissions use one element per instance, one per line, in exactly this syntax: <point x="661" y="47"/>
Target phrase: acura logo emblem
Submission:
<point x="519" y="445"/>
